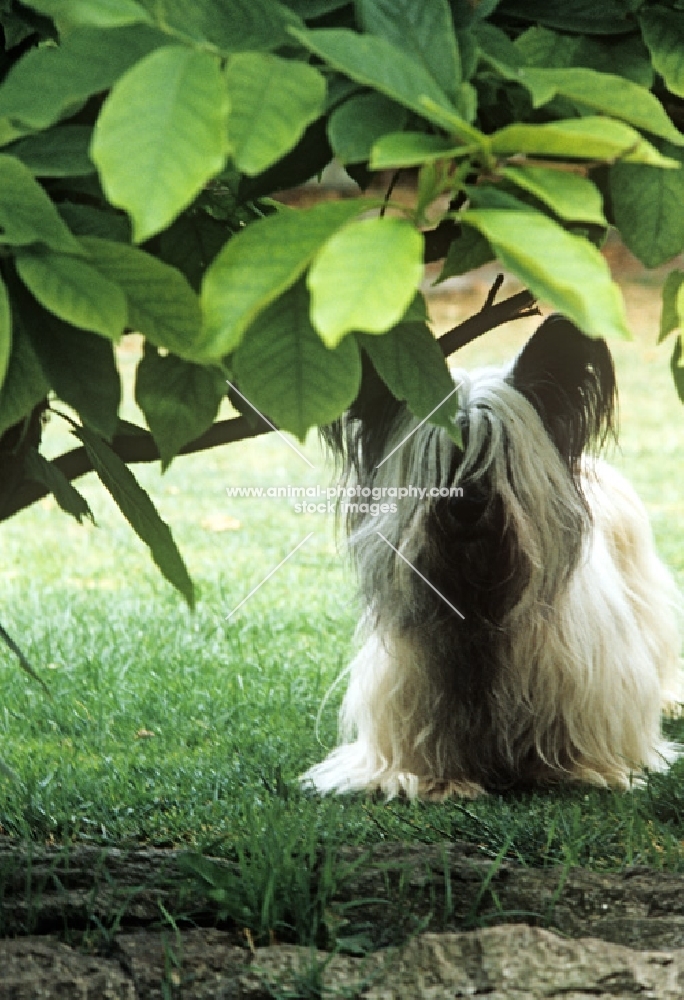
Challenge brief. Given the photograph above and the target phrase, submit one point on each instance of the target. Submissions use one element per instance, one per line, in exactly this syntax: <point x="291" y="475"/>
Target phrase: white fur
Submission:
<point x="586" y="660"/>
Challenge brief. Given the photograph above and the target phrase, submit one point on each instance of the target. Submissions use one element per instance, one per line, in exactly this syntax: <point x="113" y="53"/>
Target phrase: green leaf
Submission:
<point x="139" y="511"/>
<point x="285" y="370"/>
<point x="411" y="364"/>
<point x="37" y="468"/>
<point x="377" y="63"/>
<point x="604" y="92"/>
<point x="51" y="80"/>
<point x="58" y="152"/>
<point x="259" y="264"/>
<point x="564" y="270"/>
<point x="647" y="209"/>
<point x="96" y="13"/>
<point x="365" y="277"/>
<point x="272" y="100"/>
<point x="591" y="138"/>
<point x="27" y="215"/>
<point x="468" y="251"/>
<point x="161" y="136"/>
<point x="191" y="243"/>
<point x="663" y="32"/>
<point x="237" y="26"/>
<point x="79" y="366"/>
<point x="626" y="57"/>
<point x="357" y="124"/>
<point x="424" y="31"/>
<point x="670" y="317"/>
<point x="161" y="302"/>
<point x="105" y="222"/>
<point x="24" y="386"/>
<point x="5" y="331"/>
<point x="610" y="17"/>
<point x="74" y="291"/>
<point x="180" y="400"/>
<point x="569" y="195"/>
<point x="497" y="50"/>
<point x="417" y="312"/>
<point x="677" y="368"/>
<point x="412" y="149"/>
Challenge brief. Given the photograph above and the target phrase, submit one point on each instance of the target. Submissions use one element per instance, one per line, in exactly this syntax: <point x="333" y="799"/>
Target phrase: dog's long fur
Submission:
<point x="569" y="646"/>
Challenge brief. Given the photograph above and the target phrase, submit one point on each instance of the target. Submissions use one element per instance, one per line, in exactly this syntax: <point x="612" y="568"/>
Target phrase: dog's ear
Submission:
<point x="570" y="380"/>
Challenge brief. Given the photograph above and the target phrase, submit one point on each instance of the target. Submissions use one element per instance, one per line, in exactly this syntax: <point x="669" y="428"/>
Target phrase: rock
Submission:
<point x="196" y="964"/>
<point x="42" y="968"/>
<point x="512" y="962"/>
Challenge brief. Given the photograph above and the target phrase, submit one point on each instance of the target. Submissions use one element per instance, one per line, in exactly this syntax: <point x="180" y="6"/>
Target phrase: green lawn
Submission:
<point x="168" y="727"/>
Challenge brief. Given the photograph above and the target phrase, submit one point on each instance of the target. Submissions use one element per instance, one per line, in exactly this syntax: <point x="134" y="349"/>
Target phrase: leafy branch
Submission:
<point x="140" y="446"/>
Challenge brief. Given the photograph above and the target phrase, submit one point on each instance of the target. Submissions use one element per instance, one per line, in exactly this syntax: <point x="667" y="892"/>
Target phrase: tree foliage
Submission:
<point x="143" y="141"/>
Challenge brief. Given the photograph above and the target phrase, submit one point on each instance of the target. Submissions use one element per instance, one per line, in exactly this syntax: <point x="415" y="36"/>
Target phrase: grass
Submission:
<point x="171" y="728"/>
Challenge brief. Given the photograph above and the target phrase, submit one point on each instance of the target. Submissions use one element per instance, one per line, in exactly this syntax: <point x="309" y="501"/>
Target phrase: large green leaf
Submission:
<point x="468" y="251"/>
<point x="5" y="331"/>
<point x="677" y="368"/>
<point x="571" y="196"/>
<point x="161" y="135"/>
<point x="58" y="152"/>
<point x="192" y="242"/>
<point x="354" y="126"/>
<point x="139" y="511"/>
<point x="603" y="92"/>
<point x="95" y="13"/>
<point x="672" y="312"/>
<point x="365" y="277"/>
<point x="591" y="138"/>
<point x="27" y="215"/>
<point x="425" y="31"/>
<point x="51" y="80"/>
<point x="38" y="468"/>
<point x="235" y="26"/>
<point x="663" y="32"/>
<point x="259" y="264"/>
<point x="285" y="370"/>
<point x="161" y="303"/>
<point x="180" y="400"/>
<point x="272" y="100"/>
<point x="497" y="50"/>
<point x="564" y="270"/>
<point x="24" y="386"/>
<point x="377" y="63"/>
<point x="79" y="366"/>
<point x="647" y="208"/>
<point x="411" y="363"/>
<point x="105" y="222"/>
<point x="626" y="56"/>
<point x="610" y="17"/>
<point x="75" y="291"/>
<point x="413" y="149"/>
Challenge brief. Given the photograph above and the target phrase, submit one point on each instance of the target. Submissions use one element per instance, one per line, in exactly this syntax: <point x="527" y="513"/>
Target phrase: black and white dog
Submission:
<point x="568" y="648"/>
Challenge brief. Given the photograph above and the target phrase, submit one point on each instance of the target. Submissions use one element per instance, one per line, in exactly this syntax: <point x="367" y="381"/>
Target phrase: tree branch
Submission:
<point x="134" y="448"/>
<point x="438" y="240"/>
<point x="488" y="318"/>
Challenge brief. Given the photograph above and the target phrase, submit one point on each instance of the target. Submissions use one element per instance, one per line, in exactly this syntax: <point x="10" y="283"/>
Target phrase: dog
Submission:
<point x="525" y="632"/>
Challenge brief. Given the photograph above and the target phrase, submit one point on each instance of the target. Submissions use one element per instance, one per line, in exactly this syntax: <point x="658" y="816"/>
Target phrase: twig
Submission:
<point x="488" y="318"/>
<point x="388" y="193"/>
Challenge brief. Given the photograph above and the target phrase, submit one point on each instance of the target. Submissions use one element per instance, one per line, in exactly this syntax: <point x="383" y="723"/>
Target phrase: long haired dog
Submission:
<point x="567" y="649"/>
